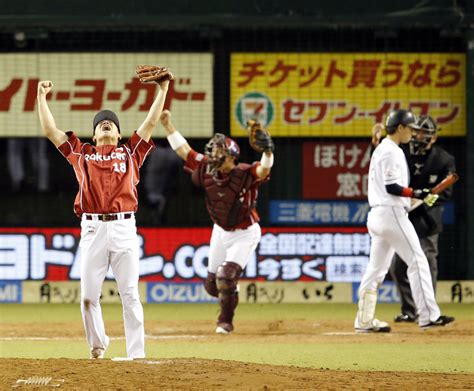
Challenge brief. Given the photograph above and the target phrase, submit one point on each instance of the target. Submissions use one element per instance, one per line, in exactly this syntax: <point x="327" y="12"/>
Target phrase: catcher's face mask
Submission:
<point x="423" y="138"/>
<point x="218" y="148"/>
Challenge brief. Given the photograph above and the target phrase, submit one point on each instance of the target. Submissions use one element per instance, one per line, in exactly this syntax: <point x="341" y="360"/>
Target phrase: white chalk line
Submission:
<point x="157" y="337"/>
<point x="351" y="333"/>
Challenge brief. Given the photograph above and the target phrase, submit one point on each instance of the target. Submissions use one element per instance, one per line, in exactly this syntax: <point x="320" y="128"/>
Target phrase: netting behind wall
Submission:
<point x="313" y="89"/>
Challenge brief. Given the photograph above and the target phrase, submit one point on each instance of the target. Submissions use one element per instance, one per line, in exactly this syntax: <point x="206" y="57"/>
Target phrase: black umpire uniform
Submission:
<point x="427" y="168"/>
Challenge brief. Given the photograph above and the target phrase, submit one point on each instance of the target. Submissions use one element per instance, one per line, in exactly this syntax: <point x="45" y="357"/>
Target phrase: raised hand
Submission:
<point x="44" y="87"/>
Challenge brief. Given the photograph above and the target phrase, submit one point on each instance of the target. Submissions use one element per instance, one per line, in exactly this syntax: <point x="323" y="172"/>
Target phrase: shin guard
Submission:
<point x="227" y="277"/>
<point x="210" y="285"/>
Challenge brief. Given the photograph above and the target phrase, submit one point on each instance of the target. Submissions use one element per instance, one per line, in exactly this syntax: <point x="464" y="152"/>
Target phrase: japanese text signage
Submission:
<point x="334" y="94"/>
<point x="180" y="255"/>
<point x="319" y="212"/>
<point x="85" y="83"/>
<point x="324" y="213"/>
<point x="336" y="170"/>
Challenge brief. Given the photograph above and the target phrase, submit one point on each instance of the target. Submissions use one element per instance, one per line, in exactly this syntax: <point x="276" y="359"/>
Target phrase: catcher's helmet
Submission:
<point x="400" y="117"/>
<point x="423" y="136"/>
<point x="219" y="147"/>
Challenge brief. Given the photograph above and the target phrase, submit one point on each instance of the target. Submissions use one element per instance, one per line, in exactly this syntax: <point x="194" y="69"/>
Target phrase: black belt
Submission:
<point x="109" y="216"/>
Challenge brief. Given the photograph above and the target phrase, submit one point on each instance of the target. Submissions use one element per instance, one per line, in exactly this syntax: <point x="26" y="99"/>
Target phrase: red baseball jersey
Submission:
<point x="107" y="175"/>
<point x="247" y="197"/>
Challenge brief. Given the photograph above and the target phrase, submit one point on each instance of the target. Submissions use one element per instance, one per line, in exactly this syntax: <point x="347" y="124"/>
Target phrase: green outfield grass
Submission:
<point x="52" y="313"/>
<point x="365" y="354"/>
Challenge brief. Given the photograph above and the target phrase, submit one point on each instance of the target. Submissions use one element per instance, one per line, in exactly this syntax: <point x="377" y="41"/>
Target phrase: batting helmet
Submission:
<point x="219" y="147"/>
<point x="400" y="117"/>
<point x="422" y="138"/>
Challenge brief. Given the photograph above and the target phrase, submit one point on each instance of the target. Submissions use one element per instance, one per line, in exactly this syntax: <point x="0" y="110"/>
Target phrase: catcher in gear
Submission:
<point x="231" y="196"/>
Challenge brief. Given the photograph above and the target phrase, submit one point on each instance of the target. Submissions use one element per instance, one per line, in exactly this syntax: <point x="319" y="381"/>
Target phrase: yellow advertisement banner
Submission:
<point x="70" y="292"/>
<point x="461" y="291"/>
<point x="345" y="94"/>
<point x="251" y="292"/>
<point x="85" y="83"/>
<point x="279" y="292"/>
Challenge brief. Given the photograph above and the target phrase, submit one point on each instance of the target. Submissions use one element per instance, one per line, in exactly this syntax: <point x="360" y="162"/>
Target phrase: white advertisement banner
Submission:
<point x="85" y="83"/>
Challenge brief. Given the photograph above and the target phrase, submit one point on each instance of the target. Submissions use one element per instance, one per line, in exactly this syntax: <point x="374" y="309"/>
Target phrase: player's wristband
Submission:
<point x="176" y="140"/>
<point x="266" y="161"/>
<point x="398" y="190"/>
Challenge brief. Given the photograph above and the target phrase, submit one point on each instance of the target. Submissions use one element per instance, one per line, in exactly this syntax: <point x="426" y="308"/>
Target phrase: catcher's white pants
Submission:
<point x="233" y="246"/>
<point x="391" y="231"/>
<point x="111" y="243"/>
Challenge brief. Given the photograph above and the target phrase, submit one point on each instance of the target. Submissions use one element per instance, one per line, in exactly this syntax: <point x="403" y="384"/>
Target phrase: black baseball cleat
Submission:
<point x="404" y="318"/>
<point x="443" y="320"/>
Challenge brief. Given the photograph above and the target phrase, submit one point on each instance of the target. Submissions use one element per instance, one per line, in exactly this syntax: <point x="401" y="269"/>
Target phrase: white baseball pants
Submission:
<point x="391" y="231"/>
<point x="111" y="243"/>
<point x="232" y="246"/>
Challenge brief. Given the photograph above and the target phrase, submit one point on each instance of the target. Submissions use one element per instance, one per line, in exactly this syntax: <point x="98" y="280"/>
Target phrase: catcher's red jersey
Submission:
<point x="107" y="175"/>
<point x="219" y="209"/>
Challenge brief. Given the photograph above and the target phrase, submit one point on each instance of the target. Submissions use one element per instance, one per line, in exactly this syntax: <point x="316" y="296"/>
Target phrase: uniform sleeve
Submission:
<point x="139" y="148"/>
<point x="71" y="149"/>
<point x="391" y="170"/>
<point x="253" y="171"/>
<point x="194" y="160"/>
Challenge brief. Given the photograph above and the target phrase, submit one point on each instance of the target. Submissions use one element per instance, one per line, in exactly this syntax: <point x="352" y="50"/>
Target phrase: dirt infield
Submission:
<point x="213" y="374"/>
<point x="155" y="373"/>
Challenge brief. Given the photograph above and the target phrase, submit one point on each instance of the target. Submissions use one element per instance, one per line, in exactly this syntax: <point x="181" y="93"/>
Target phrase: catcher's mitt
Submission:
<point x="259" y="138"/>
<point x="150" y="73"/>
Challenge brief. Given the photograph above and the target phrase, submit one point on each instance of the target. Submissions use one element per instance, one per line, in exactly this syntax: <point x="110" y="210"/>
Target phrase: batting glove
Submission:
<point x="430" y="199"/>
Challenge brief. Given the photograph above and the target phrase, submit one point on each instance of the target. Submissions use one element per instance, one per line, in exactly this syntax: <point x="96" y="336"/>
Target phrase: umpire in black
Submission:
<point x="429" y="164"/>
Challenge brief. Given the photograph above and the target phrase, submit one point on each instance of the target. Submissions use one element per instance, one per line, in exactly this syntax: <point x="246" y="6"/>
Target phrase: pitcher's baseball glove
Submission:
<point x="259" y="138"/>
<point x="149" y="73"/>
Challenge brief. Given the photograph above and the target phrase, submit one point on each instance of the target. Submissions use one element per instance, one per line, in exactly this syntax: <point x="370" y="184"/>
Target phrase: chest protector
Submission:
<point x="228" y="200"/>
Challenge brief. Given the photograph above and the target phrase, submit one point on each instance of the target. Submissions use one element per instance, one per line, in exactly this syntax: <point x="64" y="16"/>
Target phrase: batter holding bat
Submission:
<point x="430" y="167"/>
<point x="231" y="196"/>
<point x="107" y="174"/>
<point x="391" y="231"/>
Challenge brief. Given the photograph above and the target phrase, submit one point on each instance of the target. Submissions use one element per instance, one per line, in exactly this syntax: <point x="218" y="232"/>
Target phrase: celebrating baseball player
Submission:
<point x="231" y="194"/>
<point x="429" y="164"/>
<point x="108" y="174"/>
<point x="391" y="231"/>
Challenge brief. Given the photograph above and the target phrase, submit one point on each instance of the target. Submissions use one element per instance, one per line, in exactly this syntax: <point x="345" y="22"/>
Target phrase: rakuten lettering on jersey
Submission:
<point x="107" y="175"/>
<point x="100" y="158"/>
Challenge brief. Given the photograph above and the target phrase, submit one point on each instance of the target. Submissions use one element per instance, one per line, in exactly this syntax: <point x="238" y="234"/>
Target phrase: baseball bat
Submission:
<point x="450" y="180"/>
